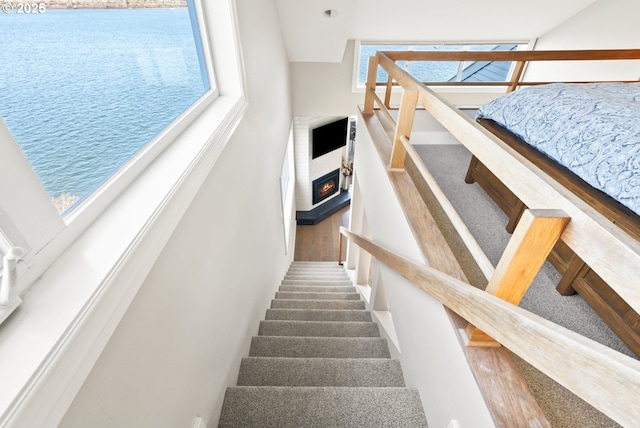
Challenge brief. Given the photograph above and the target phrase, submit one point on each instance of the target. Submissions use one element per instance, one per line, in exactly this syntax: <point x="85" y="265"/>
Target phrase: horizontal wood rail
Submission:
<point x="521" y="59"/>
<point x="564" y="55"/>
<point x="608" y="380"/>
<point x="479" y="256"/>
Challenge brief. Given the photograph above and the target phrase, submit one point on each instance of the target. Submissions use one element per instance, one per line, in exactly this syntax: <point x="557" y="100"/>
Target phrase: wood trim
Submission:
<point x="528" y="83"/>
<point x="542" y="55"/>
<point x="606" y="379"/>
<point x="472" y="245"/>
<point x="387" y="97"/>
<point x="372" y="73"/>
<point x="403" y="128"/>
<point x="532" y="241"/>
<point x="516" y="75"/>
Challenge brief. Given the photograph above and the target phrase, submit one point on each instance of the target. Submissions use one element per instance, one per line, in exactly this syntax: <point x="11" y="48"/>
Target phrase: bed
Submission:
<point x="587" y="137"/>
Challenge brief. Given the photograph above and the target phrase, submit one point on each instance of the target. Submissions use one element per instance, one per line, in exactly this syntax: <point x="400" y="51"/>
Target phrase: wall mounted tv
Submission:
<point x="329" y="137"/>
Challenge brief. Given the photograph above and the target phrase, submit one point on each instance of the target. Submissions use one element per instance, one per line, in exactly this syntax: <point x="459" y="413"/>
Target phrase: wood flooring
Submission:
<point x="319" y="242"/>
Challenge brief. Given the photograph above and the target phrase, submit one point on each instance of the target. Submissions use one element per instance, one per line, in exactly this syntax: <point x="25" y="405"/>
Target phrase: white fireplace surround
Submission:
<point x="308" y="169"/>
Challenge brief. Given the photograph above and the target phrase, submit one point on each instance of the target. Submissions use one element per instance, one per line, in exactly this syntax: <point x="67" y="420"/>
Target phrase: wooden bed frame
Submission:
<point x="577" y="276"/>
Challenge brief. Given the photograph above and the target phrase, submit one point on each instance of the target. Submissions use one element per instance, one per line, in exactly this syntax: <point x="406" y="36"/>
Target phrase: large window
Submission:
<point x="83" y="90"/>
<point x="81" y="271"/>
<point x="438" y="71"/>
<point x="88" y="99"/>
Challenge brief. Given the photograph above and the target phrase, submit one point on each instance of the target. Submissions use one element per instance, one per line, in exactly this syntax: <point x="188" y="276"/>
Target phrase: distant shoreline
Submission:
<point x="115" y="4"/>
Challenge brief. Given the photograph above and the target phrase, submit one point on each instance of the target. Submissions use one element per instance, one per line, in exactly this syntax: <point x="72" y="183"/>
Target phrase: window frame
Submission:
<point x="86" y="276"/>
<point x="58" y="231"/>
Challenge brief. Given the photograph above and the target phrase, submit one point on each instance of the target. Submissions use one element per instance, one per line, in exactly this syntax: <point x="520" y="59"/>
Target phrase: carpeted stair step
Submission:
<point x="313" y="274"/>
<point x="319" y="347"/>
<point x="318" y="315"/>
<point x="315" y="271"/>
<point x="300" y="295"/>
<point x="361" y="372"/>
<point x="318" y="328"/>
<point x="323" y="278"/>
<point x="269" y="406"/>
<point x="318" y="288"/>
<point x="316" y="304"/>
<point x="304" y="274"/>
<point x="335" y="283"/>
<point x="320" y="269"/>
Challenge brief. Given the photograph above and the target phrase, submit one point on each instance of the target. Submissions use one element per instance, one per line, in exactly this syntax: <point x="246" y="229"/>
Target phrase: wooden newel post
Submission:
<point x="403" y="128"/>
<point x="532" y="241"/>
<point x="340" y="238"/>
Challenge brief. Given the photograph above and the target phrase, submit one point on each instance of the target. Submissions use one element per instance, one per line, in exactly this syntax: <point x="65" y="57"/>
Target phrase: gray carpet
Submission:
<point x="318" y="361"/>
<point x="448" y="164"/>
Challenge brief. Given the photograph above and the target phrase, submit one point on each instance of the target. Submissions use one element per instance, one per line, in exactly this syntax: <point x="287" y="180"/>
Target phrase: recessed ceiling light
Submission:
<point x="330" y="13"/>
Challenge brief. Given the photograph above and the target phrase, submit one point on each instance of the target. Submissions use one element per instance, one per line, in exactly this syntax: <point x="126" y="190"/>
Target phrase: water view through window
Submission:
<point x="83" y="90"/>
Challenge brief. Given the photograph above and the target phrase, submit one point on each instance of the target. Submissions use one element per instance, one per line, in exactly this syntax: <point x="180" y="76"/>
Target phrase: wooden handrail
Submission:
<point x="480" y="257"/>
<point x="608" y="380"/>
<point x="521" y="58"/>
<point x="548" y="55"/>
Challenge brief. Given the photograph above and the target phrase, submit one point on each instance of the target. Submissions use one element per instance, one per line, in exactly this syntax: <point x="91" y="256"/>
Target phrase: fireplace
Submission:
<point x="325" y="186"/>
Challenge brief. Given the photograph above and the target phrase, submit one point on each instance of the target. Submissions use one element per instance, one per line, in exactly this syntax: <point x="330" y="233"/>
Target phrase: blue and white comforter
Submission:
<point x="592" y="129"/>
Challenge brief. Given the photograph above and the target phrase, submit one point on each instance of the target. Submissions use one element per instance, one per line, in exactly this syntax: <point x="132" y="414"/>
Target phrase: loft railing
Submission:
<point x="520" y="58"/>
<point x="606" y="379"/>
<point x="588" y="230"/>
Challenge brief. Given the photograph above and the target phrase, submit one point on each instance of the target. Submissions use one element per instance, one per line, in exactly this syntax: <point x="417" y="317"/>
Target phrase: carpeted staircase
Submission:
<point x="319" y="361"/>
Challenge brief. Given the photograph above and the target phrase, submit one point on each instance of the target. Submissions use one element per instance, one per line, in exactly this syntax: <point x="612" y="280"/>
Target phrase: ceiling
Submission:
<point x="311" y="36"/>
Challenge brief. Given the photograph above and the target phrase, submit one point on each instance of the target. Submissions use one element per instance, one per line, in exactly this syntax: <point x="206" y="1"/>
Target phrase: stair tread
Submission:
<point x="317" y="304"/>
<point x="318" y="328"/>
<point x="298" y="295"/>
<point x="259" y="406"/>
<point x="334" y="282"/>
<point x="318" y="288"/>
<point x="361" y="372"/>
<point x="319" y="347"/>
<point x="318" y="314"/>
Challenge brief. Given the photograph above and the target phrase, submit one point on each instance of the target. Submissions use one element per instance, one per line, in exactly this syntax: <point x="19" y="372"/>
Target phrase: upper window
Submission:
<point x="439" y="71"/>
<point x="83" y="90"/>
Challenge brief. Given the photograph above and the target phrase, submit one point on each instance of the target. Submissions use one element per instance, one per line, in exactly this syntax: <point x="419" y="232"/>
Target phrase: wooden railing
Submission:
<point x="521" y="59"/>
<point x="588" y="234"/>
<point x="606" y="379"/>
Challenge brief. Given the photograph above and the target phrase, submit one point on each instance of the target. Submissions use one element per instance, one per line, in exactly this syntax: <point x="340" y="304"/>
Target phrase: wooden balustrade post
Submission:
<point x="517" y="74"/>
<point x="388" y="91"/>
<point x="372" y="77"/>
<point x="403" y="128"/>
<point x="340" y="248"/>
<point x="532" y="241"/>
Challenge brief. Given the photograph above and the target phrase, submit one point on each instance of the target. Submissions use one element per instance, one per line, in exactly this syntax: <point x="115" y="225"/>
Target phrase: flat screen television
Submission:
<point x="327" y="138"/>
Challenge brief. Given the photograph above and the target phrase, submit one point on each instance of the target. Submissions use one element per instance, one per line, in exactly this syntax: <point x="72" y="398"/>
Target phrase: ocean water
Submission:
<point x="83" y="90"/>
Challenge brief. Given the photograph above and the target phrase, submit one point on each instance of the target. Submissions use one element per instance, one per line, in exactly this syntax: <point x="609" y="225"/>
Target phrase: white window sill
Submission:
<point x="50" y="343"/>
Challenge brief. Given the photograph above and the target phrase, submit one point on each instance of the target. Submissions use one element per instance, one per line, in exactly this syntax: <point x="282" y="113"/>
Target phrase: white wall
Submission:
<point x="181" y="341"/>
<point x="324" y="89"/>
<point x="606" y="24"/>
